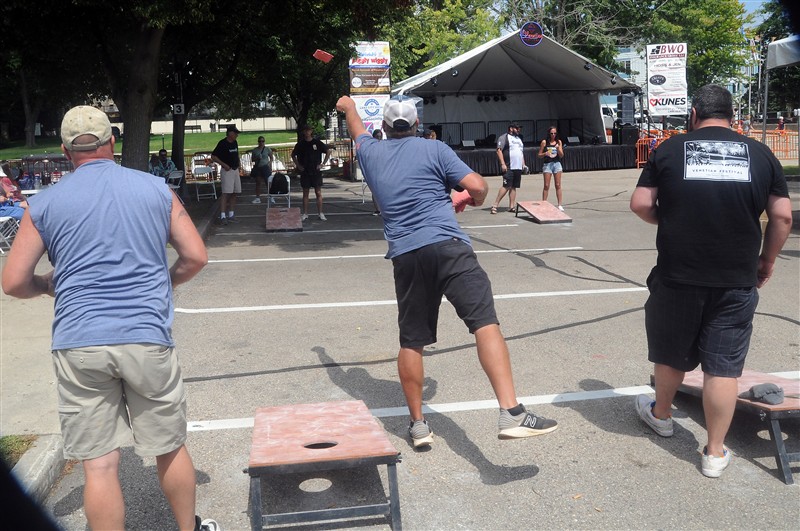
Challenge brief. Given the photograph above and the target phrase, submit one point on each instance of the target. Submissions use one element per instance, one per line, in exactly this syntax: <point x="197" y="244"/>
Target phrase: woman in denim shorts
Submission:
<point x="552" y="151"/>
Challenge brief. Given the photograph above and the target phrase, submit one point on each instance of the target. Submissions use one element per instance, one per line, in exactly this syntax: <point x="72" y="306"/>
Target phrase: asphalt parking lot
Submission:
<point x="289" y="318"/>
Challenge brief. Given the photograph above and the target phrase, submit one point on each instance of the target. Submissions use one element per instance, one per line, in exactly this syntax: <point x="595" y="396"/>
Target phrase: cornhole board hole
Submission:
<point x="284" y="220"/>
<point x="542" y="212"/>
<point x="772" y="414"/>
<point x="312" y="440"/>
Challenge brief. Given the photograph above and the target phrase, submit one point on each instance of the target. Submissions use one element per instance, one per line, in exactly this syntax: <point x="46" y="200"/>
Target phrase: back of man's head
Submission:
<point x="713" y="102"/>
<point x="85" y="128"/>
<point x="400" y="116"/>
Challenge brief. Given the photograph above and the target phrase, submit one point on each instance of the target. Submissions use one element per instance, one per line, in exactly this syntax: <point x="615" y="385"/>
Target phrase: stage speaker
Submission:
<point x="626" y="104"/>
<point x="573" y="140"/>
<point x="626" y="135"/>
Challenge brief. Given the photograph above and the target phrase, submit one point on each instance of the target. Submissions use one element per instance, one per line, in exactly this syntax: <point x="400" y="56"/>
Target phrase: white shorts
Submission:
<point x="231" y="182"/>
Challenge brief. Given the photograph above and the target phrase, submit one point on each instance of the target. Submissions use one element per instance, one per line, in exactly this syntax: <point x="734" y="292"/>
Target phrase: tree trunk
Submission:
<point x="178" y="140"/>
<point x="31" y="111"/>
<point x="137" y="111"/>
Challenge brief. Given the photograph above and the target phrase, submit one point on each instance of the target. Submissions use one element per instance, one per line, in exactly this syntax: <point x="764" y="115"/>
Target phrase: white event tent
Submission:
<point x="780" y="53"/>
<point x="543" y="83"/>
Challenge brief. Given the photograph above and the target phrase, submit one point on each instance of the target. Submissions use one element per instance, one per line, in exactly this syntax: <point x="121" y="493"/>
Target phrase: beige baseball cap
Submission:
<point x="85" y="120"/>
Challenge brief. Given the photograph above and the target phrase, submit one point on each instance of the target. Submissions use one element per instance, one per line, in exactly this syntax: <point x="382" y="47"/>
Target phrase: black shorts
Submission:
<point x="691" y="325"/>
<point x="311" y="179"/>
<point x="422" y="276"/>
<point x="262" y="172"/>
<point x="512" y="179"/>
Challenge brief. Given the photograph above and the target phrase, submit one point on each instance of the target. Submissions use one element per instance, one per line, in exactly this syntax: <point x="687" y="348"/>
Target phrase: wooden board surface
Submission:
<point x="284" y="220"/>
<point x="309" y="433"/>
<point x="543" y="212"/>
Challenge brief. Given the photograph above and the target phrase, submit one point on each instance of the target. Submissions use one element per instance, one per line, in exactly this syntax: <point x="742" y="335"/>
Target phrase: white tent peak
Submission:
<point x="508" y="65"/>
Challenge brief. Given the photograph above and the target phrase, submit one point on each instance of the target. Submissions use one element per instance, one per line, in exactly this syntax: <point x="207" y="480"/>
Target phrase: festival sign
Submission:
<point x="369" y="70"/>
<point x="370" y="109"/>
<point x="667" y="91"/>
<point x="531" y="33"/>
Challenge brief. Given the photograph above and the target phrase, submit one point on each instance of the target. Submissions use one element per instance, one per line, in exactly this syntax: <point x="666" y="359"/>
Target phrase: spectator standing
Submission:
<point x="112" y="346"/>
<point x="431" y="257"/>
<point x="512" y="160"/>
<point x="163" y="166"/>
<point x="706" y="191"/>
<point x="551" y="150"/>
<point x="226" y="154"/>
<point x="262" y="166"/>
<point x="307" y="157"/>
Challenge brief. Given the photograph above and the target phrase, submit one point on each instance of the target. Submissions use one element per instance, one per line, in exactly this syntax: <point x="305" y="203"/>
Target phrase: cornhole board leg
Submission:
<point x="287" y="440"/>
<point x="772" y="414"/>
<point x="284" y="220"/>
<point x="542" y="212"/>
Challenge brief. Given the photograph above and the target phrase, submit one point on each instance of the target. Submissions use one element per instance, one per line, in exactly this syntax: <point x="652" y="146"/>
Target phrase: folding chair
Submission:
<point x="287" y="195"/>
<point x="203" y="175"/>
<point x="174" y="182"/>
<point x="8" y="229"/>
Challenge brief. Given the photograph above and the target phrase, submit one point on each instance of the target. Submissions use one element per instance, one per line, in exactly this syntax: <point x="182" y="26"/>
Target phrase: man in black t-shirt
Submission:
<point x="226" y="154"/>
<point x="307" y="157"/>
<point x="706" y="191"/>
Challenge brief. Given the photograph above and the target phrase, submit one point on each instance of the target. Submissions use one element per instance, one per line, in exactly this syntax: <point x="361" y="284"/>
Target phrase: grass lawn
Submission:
<point x="13" y="446"/>
<point x="193" y="142"/>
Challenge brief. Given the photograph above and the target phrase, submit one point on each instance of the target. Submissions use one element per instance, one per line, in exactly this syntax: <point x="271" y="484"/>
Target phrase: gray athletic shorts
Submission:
<point x="105" y="392"/>
<point x="691" y="325"/>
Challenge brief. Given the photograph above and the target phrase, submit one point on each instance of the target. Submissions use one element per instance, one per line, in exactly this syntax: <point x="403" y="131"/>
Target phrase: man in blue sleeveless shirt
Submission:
<point x="112" y="347"/>
<point x="411" y="179"/>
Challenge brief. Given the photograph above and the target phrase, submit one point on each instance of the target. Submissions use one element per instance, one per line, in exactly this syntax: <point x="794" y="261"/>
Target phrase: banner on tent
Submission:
<point x="666" y="79"/>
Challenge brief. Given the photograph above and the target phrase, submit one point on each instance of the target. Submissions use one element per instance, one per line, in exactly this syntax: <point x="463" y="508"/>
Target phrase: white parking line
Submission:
<point x="305" y="231"/>
<point x="351" y="256"/>
<point x="354" y="304"/>
<point x="561" y="398"/>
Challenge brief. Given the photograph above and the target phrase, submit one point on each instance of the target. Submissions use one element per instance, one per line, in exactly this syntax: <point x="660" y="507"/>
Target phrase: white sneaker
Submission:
<point x="712" y="466"/>
<point x="561" y="208"/>
<point x="256" y="201"/>
<point x="272" y="200"/>
<point x="322" y="217"/>
<point x="644" y="407"/>
<point x="304" y="217"/>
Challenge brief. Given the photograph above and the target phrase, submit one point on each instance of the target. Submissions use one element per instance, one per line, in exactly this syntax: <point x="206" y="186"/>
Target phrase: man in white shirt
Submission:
<point x="512" y="162"/>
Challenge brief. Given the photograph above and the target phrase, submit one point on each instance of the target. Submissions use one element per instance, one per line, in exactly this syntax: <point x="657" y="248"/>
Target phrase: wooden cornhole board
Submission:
<point x="773" y="414"/>
<point x="542" y="212"/>
<point x="319" y="437"/>
<point x="284" y="220"/>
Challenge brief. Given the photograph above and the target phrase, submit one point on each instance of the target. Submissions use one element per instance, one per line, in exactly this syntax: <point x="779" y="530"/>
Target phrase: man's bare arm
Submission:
<point x="779" y="213"/>
<point x="184" y="238"/>
<point x="476" y="186"/>
<point x="19" y="279"/>
<point x="644" y="203"/>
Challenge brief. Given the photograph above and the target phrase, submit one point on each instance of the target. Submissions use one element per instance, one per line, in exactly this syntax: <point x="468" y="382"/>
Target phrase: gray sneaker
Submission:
<point x="420" y="433"/>
<point x="526" y="424"/>
<point x="644" y="407"/>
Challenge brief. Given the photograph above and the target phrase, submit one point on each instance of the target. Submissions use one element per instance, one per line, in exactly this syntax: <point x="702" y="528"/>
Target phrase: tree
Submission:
<point x="712" y="31"/>
<point x="783" y="82"/>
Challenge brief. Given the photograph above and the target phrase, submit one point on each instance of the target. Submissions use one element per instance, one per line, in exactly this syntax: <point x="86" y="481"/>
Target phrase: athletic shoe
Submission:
<point x="561" y="208"/>
<point x="526" y="424"/>
<point x="376" y="213"/>
<point x="420" y="433"/>
<point x="322" y="217"/>
<point x="233" y="219"/>
<point x="206" y="525"/>
<point x="644" y="407"/>
<point x="221" y="221"/>
<point x="272" y="200"/>
<point x="712" y="466"/>
<point x="304" y="217"/>
<point x="256" y="201"/>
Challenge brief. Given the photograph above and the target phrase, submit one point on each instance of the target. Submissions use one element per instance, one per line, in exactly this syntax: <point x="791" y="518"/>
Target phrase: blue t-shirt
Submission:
<point x="410" y="178"/>
<point x="106" y="229"/>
